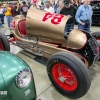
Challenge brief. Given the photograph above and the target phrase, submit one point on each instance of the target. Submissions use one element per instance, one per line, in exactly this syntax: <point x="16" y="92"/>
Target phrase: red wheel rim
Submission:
<point x="64" y="77"/>
<point x="1" y="46"/>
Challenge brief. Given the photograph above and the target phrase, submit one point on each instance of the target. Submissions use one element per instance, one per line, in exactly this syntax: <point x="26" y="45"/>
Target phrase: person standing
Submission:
<point x="84" y="16"/>
<point x="74" y="3"/>
<point x="2" y="20"/>
<point x="16" y="9"/>
<point x="80" y="2"/>
<point x="48" y="8"/>
<point x="29" y="5"/>
<point x="8" y="14"/>
<point x="68" y="10"/>
<point x="60" y="7"/>
<point x="33" y="4"/>
<point x="24" y="9"/>
<point x="1" y="16"/>
<point x="12" y="9"/>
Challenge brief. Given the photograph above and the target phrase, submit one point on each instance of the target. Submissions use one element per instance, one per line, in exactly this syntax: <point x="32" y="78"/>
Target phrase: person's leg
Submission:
<point x="10" y="20"/>
<point x="7" y="17"/>
<point x="66" y="31"/>
<point x="71" y="27"/>
<point x="67" y="28"/>
<point x="2" y="19"/>
<point x="80" y="27"/>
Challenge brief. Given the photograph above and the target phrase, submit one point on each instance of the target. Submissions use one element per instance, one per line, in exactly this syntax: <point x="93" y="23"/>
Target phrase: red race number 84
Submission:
<point x="55" y="18"/>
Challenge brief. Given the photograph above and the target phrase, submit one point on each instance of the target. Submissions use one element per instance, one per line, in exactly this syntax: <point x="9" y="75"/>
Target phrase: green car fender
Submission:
<point x="3" y="90"/>
<point x="10" y="66"/>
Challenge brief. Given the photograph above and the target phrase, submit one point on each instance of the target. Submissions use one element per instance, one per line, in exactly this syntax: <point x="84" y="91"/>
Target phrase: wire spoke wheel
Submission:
<point x="68" y="74"/>
<point x="64" y="77"/>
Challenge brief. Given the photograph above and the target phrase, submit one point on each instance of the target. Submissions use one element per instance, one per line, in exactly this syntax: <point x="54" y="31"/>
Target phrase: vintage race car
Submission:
<point x="16" y="78"/>
<point x="69" y="54"/>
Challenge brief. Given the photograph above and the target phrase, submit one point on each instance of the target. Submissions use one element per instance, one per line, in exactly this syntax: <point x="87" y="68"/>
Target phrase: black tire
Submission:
<point x="4" y="42"/>
<point x="97" y="37"/>
<point x="77" y="67"/>
<point x="96" y="34"/>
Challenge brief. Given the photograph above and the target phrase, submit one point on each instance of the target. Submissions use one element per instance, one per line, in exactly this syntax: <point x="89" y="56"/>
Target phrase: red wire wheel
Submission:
<point x="64" y="77"/>
<point x="68" y="74"/>
<point x="1" y="46"/>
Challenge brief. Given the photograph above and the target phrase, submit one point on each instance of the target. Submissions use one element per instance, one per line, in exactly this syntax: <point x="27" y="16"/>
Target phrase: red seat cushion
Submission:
<point x="22" y="26"/>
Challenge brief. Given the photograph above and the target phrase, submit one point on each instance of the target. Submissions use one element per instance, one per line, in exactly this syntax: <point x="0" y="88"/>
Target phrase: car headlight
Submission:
<point x="23" y="78"/>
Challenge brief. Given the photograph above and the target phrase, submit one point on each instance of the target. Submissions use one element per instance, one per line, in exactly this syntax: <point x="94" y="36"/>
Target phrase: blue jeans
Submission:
<point x="2" y="18"/>
<point x="68" y="27"/>
<point x="9" y="19"/>
<point x="84" y="27"/>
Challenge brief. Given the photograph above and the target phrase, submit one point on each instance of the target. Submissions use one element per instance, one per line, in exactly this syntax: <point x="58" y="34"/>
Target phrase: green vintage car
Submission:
<point x="16" y="78"/>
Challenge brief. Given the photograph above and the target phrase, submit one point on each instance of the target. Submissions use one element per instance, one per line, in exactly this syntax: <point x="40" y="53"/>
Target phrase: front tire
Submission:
<point x="69" y="75"/>
<point x="4" y="44"/>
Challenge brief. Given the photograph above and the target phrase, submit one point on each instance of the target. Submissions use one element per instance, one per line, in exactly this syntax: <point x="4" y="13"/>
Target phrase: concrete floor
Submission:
<point x="44" y="88"/>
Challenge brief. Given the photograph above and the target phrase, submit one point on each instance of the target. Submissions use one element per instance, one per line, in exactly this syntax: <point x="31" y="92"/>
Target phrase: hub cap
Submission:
<point x="64" y="77"/>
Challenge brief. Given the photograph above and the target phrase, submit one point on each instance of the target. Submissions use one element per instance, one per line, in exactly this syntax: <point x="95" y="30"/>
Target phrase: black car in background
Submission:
<point x="96" y="12"/>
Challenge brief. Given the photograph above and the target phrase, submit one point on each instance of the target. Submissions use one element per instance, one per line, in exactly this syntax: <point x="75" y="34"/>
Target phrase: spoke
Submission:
<point x="60" y="70"/>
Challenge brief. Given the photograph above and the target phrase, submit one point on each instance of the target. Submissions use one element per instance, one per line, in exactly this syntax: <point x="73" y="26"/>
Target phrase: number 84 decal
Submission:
<point x="55" y="18"/>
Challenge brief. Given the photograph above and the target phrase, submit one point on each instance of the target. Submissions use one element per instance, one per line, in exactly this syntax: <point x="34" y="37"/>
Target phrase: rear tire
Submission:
<point x="4" y="44"/>
<point x="97" y="36"/>
<point x="69" y="75"/>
